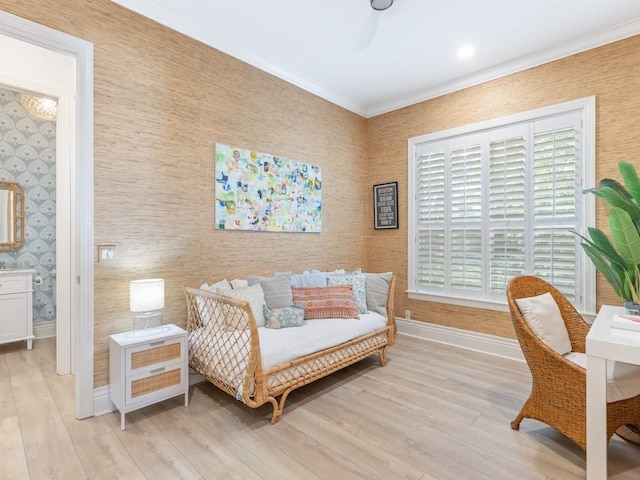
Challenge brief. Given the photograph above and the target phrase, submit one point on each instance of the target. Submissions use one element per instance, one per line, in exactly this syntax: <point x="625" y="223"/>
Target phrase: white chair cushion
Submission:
<point x="545" y="320"/>
<point x="623" y="379"/>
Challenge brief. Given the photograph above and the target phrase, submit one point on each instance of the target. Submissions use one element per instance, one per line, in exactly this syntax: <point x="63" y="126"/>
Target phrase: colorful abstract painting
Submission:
<point x="257" y="191"/>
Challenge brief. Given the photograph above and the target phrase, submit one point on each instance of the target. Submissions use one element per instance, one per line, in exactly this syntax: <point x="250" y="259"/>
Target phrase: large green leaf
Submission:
<point x="602" y="265"/>
<point x="625" y="237"/>
<point x="601" y="242"/>
<point x="617" y="196"/>
<point x="631" y="179"/>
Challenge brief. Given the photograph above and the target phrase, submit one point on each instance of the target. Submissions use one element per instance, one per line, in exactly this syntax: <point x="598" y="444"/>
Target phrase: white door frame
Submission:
<point x="80" y="281"/>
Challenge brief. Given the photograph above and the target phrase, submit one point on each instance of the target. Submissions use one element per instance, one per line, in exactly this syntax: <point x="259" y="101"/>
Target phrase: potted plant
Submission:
<point x="618" y="259"/>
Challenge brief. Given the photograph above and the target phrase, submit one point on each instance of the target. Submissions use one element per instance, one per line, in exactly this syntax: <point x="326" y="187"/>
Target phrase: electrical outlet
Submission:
<point x="407" y="314"/>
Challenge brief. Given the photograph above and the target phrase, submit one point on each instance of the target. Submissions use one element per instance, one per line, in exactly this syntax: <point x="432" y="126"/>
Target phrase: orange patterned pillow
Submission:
<point x="326" y="302"/>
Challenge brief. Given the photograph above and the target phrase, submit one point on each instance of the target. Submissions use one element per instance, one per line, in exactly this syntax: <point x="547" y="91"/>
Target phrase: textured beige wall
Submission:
<point x="610" y="73"/>
<point x="162" y="100"/>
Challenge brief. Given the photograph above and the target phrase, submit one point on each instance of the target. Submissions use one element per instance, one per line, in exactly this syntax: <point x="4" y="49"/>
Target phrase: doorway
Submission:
<point x="61" y="66"/>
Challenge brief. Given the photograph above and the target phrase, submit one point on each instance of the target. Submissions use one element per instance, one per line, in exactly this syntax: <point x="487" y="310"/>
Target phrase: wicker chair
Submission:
<point x="558" y="391"/>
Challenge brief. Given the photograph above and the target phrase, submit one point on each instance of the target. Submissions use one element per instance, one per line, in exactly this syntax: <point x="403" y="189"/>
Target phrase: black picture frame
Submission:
<point x="385" y="206"/>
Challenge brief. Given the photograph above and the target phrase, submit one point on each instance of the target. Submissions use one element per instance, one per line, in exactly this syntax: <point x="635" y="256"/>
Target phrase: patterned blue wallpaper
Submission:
<point x="28" y="156"/>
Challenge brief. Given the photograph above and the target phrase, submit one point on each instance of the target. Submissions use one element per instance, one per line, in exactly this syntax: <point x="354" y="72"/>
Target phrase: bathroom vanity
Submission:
<point x="16" y="306"/>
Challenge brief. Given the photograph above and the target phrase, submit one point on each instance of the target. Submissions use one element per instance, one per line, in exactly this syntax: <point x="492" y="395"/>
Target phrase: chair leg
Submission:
<point x="516" y="423"/>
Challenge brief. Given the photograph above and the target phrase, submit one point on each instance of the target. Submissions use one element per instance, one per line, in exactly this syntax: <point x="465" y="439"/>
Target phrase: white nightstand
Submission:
<point x="146" y="367"/>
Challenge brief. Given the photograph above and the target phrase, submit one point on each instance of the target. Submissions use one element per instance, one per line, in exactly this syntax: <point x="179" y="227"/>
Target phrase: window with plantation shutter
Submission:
<point x="499" y="199"/>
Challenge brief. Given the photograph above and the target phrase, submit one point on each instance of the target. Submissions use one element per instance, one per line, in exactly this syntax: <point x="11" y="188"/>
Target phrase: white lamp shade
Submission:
<point x="146" y="295"/>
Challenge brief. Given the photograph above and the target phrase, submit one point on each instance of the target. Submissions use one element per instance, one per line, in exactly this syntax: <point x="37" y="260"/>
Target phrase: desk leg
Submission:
<point x="596" y="418"/>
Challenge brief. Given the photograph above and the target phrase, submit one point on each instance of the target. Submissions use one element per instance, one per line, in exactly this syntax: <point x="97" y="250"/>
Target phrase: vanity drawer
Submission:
<point x="14" y="283"/>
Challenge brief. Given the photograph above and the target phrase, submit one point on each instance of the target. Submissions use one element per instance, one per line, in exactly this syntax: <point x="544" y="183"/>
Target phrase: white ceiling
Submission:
<point x="412" y="57"/>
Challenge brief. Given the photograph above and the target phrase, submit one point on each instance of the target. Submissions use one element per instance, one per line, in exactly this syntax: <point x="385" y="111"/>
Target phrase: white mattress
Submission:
<point x="278" y="346"/>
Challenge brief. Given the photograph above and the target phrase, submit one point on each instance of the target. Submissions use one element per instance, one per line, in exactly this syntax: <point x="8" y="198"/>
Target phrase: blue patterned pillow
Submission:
<point x="285" y="317"/>
<point x="357" y="281"/>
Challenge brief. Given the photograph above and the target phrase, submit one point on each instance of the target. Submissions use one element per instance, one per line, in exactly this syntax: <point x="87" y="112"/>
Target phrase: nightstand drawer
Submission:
<point x="163" y="381"/>
<point x="154" y="355"/>
<point x="146" y="367"/>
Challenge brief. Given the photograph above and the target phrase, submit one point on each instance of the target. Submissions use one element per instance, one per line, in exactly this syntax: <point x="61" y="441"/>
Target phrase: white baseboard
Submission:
<point x="479" y="342"/>
<point x="44" y="329"/>
<point x="101" y="402"/>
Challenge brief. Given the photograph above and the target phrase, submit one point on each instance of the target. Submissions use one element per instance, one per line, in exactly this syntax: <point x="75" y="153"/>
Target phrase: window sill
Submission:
<point x="472" y="303"/>
<point x="459" y="301"/>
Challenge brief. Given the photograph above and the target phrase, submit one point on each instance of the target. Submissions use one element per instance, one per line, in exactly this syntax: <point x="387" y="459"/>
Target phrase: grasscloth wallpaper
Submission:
<point x="162" y="100"/>
<point x="609" y="73"/>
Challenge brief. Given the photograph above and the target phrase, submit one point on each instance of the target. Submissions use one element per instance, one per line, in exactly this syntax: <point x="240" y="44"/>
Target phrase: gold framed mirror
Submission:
<point x="11" y="216"/>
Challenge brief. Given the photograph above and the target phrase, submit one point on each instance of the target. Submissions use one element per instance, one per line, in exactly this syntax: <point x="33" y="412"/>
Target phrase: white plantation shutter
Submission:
<point x="430" y="220"/>
<point x="465" y="259"/>
<point x="507" y="177"/>
<point x="556" y="173"/>
<point x="497" y="203"/>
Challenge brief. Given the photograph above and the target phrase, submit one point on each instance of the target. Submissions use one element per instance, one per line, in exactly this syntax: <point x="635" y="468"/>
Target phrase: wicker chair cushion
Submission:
<point x="545" y="320"/>
<point x="623" y="379"/>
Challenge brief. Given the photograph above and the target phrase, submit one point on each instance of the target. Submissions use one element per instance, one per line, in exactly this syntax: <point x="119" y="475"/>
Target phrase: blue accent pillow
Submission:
<point x="285" y="317"/>
<point x="309" y="280"/>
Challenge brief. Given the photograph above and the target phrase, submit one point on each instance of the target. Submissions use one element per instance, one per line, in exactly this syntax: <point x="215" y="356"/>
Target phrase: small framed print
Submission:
<point x="385" y="205"/>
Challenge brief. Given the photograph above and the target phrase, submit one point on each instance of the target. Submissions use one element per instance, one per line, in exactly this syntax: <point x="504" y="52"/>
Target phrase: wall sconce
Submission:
<point x="41" y="107"/>
<point x="146" y="297"/>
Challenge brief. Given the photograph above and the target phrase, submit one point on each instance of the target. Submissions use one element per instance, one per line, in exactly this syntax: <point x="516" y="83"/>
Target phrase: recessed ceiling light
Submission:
<point x="381" y="4"/>
<point x="466" y="51"/>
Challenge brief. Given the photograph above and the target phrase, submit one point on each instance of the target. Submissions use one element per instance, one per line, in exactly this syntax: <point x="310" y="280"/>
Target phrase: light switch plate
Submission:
<point x="106" y="253"/>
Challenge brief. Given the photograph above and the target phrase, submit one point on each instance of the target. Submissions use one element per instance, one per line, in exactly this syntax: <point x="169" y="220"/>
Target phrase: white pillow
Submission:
<point x="545" y="320"/>
<point x="253" y="294"/>
<point x="207" y="314"/>
<point x="213" y="287"/>
<point x="239" y="283"/>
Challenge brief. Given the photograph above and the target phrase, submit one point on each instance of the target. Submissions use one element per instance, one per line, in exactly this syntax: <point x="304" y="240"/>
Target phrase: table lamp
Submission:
<point x="146" y="299"/>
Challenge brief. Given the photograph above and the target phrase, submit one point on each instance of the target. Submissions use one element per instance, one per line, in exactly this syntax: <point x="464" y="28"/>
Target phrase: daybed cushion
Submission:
<point x="623" y="379"/>
<point x="377" y="288"/>
<point x="277" y="289"/>
<point x="254" y="295"/>
<point x="285" y="317"/>
<point x="545" y="320"/>
<point x="326" y="302"/>
<point x="279" y="346"/>
<point x="357" y="281"/>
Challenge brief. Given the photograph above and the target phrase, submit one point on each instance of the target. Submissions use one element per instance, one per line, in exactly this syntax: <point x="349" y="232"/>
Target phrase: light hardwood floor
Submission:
<point x="434" y="412"/>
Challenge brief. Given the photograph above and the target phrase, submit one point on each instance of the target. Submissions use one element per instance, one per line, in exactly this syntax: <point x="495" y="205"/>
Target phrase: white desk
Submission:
<point x="604" y="343"/>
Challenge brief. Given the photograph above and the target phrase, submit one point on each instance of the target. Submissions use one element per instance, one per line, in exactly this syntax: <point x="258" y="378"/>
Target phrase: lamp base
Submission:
<point x="147" y="320"/>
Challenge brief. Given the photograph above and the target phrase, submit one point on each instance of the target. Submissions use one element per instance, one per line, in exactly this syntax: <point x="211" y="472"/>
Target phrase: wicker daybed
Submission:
<point x="225" y="348"/>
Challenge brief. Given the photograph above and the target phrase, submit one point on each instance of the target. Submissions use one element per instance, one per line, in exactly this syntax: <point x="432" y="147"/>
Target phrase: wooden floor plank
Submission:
<point x="13" y="460"/>
<point x="435" y="412"/>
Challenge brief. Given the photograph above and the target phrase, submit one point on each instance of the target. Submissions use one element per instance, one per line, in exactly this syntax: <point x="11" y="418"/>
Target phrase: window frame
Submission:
<point x="586" y="108"/>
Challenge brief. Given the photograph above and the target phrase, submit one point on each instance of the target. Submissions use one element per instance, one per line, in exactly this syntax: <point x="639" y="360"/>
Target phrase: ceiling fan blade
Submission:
<point x="368" y="32"/>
